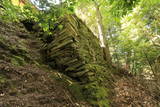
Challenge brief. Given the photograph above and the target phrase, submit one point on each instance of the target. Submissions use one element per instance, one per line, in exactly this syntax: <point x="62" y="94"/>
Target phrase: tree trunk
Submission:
<point x="104" y="45"/>
<point x="128" y="64"/>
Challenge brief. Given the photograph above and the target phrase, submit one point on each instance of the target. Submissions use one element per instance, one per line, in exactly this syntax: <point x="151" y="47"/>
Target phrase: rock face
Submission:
<point x="75" y="51"/>
<point x="24" y="81"/>
<point x="73" y="47"/>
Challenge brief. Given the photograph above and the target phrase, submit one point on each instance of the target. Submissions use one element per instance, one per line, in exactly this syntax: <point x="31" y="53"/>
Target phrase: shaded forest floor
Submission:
<point x="26" y="83"/>
<point x="132" y="92"/>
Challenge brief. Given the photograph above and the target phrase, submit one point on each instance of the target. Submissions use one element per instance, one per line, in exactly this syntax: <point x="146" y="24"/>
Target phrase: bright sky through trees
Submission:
<point x="38" y="3"/>
<point x="50" y="1"/>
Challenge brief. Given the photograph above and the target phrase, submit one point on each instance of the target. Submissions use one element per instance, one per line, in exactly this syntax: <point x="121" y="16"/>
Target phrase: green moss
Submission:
<point x="95" y="91"/>
<point x="102" y="103"/>
<point x="96" y="94"/>
<point x="2" y="79"/>
<point x="96" y="72"/>
<point x="2" y="38"/>
<point x="76" y="91"/>
<point x="17" y="60"/>
<point x="92" y="93"/>
<point x="20" y="49"/>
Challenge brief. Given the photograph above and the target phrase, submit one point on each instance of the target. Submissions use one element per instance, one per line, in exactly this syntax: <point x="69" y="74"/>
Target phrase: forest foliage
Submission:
<point x="132" y="29"/>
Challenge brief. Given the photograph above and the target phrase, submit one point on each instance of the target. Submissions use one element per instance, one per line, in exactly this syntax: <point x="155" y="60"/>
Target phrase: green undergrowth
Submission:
<point x="92" y="92"/>
<point x="96" y="94"/>
<point x="95" y="90"/>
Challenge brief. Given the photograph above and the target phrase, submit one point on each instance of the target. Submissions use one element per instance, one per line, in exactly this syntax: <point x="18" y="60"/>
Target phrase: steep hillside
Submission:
<point x="24" y="80"/>
<point x="65" y="69"/>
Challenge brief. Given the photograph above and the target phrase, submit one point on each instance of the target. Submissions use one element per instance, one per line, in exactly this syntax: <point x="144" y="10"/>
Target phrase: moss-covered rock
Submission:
<point x="73" y="47"/>
<point x="75" y="51"/>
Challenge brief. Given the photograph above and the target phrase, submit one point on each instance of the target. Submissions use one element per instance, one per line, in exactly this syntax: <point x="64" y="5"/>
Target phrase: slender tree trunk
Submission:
<point x="128" y="64"/>
<point x="133" y="63"/>
<point x="101" y="35"/>
<point x="60" y="1"/>
<point x="149" y="62"/>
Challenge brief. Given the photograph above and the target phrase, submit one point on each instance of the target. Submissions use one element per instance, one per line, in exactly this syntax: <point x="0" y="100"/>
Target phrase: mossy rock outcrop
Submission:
<point x="73" y="47"/>
<point x="75" y="51"/>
